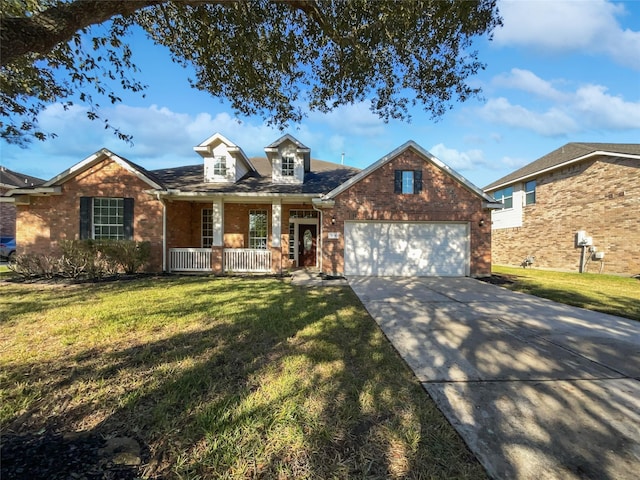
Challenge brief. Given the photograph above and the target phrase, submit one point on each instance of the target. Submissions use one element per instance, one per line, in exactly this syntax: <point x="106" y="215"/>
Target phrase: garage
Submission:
<point x="421" y="249"/>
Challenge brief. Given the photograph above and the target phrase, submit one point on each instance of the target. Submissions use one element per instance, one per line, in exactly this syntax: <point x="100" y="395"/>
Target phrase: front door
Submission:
<point x="307" y="236"/>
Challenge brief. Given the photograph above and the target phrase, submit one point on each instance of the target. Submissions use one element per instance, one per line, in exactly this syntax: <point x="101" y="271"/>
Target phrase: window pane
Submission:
<point x="258" y="229"/>
<point x="287" y="166"/>
<point x="220" y="165"/>
<point x="530" y="192"/>
<point x="207" y="227"/>
<point x="407" y="181"/>
<point x="108" y="218"/>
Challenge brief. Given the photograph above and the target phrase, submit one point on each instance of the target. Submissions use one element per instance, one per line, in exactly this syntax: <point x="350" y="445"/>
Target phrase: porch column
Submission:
<point x="276" y="222"/>
<point x="217" y="218"/>
<point x="217" y="244"/>
<point x="276" y="235"/>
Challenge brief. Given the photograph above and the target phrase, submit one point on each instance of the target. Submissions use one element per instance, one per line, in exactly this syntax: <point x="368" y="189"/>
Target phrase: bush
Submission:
<point x="92" y="259"/>
<point x="35" y="266"/>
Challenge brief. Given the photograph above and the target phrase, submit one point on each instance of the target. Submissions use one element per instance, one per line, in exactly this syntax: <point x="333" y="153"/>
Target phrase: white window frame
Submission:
<point x="220" y="165"/>
<point x="500" y="196"/>
<point x="408" y="182"/>
<point x="257" y="241"/>
<point x="207" y="228"/>
<point x="288" y="166"/>
<point x="113" y="221"/>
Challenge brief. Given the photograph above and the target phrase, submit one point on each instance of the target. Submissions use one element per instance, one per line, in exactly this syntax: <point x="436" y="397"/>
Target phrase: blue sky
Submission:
<point x="557" y="72"/>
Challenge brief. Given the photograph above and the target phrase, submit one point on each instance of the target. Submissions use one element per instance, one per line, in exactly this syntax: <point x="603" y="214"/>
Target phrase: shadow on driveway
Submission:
<point x="537" y="389"/>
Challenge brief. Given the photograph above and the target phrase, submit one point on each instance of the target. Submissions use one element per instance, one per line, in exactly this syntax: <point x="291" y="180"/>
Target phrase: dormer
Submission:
<point x="224" y="161"/>
<point x="289" y="159"/>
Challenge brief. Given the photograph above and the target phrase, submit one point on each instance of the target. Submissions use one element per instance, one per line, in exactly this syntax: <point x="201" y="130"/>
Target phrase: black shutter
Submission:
<point x="85" y="217"/>
<point x="397" y="184"/>
<point x="417" y="181"/>
<point x="128" y="218"/>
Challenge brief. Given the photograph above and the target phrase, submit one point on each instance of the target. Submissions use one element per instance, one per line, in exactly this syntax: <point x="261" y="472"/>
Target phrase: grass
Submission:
<point x="603" y="293"/>
<point x="222" y="378"/>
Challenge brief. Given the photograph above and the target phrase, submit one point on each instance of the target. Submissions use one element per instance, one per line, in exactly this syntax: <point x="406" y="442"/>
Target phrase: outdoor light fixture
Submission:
<point x="482" y="222"/>
<point x="333" y="220"/>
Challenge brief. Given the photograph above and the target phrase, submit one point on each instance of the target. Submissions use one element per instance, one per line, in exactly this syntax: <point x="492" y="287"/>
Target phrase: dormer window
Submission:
<point x="288" y="163"/>
<point x="220" y="165"/>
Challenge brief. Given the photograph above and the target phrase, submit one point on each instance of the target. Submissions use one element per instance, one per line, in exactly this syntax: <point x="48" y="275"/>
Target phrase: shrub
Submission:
<point x="35" y="266"/>
<point x="92" y="259"/>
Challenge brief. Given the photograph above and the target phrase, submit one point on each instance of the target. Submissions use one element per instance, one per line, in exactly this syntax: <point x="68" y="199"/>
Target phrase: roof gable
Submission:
<point x="206" y="148"/>
<point x="286" y="138"/>
<point x="565" y="155"/>
<point x="422" y="152"/>
<point x="98" y="157"/>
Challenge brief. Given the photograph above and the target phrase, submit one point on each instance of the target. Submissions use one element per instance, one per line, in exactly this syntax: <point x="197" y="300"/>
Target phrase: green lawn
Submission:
<point x="222" y="378"/>
<point x="603" y="293"/>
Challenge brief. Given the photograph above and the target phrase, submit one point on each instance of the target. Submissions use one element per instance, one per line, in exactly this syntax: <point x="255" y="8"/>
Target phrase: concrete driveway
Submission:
<point x="537" y="389"/>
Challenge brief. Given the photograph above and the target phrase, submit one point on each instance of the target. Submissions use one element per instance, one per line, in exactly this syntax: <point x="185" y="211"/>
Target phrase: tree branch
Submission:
<point x="41" y="32"/>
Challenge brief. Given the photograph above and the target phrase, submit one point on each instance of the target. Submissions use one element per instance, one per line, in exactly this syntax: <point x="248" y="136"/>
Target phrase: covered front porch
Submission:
<point x="227" y="236"/>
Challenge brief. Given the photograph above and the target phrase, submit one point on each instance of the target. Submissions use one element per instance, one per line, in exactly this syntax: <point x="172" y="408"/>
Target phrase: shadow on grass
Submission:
<point x="264" y="379"/>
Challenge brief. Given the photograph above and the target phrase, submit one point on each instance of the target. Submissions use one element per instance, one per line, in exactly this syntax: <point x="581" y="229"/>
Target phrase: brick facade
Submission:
<point x="51" y="218"/>
<point x="7" y="217"/>
<point x="443" y="199"/>
<point x="600" y="196"/>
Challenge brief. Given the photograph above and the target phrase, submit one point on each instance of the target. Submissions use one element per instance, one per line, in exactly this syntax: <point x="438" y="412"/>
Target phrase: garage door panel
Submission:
<point x="406" y="249"/>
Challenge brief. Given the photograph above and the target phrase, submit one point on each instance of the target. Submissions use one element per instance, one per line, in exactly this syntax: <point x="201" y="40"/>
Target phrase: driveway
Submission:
<point x="538" y="390"/>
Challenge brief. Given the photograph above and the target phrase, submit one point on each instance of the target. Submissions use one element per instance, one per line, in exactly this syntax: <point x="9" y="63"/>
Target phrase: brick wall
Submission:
<point x="443" y="199"/>
<point x="7" y="217"/>
<point x="600" y="196"/>
<point x="48" y="219"/>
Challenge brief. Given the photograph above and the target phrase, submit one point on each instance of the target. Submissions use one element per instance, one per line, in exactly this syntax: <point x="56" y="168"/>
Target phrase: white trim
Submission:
<point x="537" y="173"/>
<point x="390" y="156"/>
<point x="204" y="148"/>
<point x="276" y="223"/>
<point x="35" y="191"/>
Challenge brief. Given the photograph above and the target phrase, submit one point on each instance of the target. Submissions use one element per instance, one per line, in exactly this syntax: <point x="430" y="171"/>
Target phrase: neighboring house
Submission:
<point x="407" y="214"/>
<point x="8" y="181"/>
<point x="591" y="188"/>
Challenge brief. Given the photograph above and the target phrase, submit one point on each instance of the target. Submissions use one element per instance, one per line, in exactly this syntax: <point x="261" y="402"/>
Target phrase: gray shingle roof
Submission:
<point x="323" y="177"/>
<point x="15" y="179"/>
<point x="562" y="155"/>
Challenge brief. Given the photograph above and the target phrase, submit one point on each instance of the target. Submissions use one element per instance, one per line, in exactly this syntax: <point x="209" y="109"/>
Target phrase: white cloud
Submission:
<point x="559" y="112"/>
<point x="550" y="123"/>
<point x="528" y="81"/>
<point x="601" y="110"/>
<point x="456" y="159"/>
<point x="568" y="26"/>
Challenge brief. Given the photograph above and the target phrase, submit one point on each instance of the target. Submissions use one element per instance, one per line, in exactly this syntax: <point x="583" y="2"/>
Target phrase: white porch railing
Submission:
<point x="190" y="259"/>
<point x="247" y="260"/>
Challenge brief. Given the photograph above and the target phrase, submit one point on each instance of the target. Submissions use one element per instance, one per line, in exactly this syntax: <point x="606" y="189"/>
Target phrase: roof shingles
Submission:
<point x="324" y="177"/>
<point x="564" y="154"/>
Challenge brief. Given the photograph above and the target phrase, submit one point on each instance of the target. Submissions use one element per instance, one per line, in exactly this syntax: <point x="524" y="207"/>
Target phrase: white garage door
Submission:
<point x="406" y="249"/>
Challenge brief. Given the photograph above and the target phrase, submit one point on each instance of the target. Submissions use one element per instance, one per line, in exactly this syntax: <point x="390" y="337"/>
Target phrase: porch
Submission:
<point x="234" y="260"/>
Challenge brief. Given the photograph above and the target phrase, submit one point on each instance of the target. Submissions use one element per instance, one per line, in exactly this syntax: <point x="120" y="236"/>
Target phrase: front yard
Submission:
<point x="221" y="378"/>
<point x="610" y="294"/>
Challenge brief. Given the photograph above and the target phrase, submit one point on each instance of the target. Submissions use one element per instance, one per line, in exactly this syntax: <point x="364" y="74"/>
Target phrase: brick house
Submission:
<point x="406" y="214"/>
<point x="8" y="181"/>
<point x="577" y="209"/>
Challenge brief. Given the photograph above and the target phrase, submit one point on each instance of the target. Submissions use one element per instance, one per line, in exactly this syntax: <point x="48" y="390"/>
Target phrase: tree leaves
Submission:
<point x="266" y="57"/>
